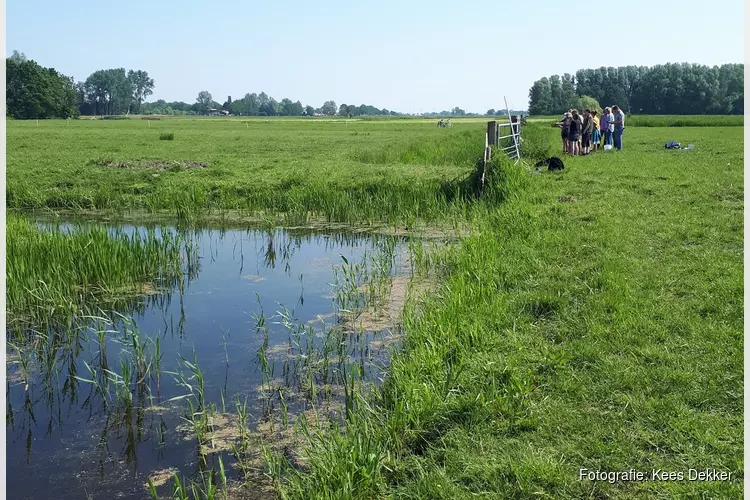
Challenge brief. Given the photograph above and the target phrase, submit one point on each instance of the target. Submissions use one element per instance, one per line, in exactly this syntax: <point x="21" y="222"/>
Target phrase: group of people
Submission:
<point x="581" y="131"/>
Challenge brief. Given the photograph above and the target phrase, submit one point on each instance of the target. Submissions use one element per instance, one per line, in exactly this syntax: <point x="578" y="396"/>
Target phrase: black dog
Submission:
<point x="552" y="164"/>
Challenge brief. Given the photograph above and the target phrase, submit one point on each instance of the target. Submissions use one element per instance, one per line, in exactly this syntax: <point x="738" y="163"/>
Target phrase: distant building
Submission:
<point x="218" y="112"/>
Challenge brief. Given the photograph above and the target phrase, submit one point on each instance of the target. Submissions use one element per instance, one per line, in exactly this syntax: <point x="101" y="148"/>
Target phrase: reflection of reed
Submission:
<point x="319" y="363"/>
<point x="270" y="256"/>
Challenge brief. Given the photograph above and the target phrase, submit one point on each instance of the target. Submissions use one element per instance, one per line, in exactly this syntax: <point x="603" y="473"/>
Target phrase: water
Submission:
<point x="63" y="441"/>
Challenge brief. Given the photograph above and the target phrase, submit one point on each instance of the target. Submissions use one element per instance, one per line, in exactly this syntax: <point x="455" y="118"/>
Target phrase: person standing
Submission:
<point x="580" y="137"/>
<point x="618" y="127"/>
<point x="595" y="134"/>
<point x="588" y="128"/>
<point x="574" y="136"/>
<point x="604" y="125"/>
<point x="564" y="125"/>
<point x="610" y="127"/>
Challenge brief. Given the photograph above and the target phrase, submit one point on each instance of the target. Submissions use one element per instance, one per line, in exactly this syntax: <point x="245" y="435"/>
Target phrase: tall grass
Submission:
<point x="459" y="148"/>
<point x="56" y="273"/>
<point x="685" y="121"/>
<point x="592" y="333"/>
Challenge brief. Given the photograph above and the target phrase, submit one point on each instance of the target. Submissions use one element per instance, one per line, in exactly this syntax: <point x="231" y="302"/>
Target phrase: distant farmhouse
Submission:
<point x="218" y="112"/>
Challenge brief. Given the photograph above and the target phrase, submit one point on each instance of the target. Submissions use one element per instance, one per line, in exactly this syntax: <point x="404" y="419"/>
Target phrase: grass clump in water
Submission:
<point x="58" y="273"/>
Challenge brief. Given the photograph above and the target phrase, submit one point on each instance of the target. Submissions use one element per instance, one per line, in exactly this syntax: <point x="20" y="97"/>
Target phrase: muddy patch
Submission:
<point x="161" y="477"/>
<point x="222" y="431"/>
<point x="321" y="318"/>
<point x="149" y="164"/>
<point x="159" y="410"/>
<point x="387" y="314"/>
<point x="287" y="440"/>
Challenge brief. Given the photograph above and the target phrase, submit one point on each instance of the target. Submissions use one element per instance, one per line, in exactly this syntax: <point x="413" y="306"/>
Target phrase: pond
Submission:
<point x="266" y="326"/>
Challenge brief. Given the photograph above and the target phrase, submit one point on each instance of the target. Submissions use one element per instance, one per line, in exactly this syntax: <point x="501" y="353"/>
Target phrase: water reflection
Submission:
<point x="102" y="397"/>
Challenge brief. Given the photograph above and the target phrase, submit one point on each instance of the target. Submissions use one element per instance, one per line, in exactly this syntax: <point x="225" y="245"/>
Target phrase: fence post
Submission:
<point x="492" y="133"/>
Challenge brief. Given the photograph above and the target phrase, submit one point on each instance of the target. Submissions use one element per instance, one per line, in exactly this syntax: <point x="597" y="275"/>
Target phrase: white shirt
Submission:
<point x="620" y="116"/>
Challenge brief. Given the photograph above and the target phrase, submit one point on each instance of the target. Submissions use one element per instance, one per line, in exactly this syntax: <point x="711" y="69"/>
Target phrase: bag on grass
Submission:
<point x="672" y="145"/>
<point x="553" y="163"/>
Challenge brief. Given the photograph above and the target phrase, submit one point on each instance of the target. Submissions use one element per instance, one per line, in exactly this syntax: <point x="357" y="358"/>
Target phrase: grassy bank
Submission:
<point x="595" y="323"/>
<point x="344" y="171"/>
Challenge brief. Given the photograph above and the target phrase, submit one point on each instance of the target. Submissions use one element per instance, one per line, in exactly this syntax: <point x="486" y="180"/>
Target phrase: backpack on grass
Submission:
<point x="553" y="164"/>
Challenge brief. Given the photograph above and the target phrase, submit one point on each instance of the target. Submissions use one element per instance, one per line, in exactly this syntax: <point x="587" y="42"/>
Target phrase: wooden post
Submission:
<point x="491" y="132"/>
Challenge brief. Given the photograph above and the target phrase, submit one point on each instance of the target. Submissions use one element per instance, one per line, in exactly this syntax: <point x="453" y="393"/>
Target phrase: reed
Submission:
<point x="91" y="265"/>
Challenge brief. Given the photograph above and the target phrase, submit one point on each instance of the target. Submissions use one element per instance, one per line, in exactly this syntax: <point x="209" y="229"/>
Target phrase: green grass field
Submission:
<point x="595" y="323"/>
<point x="593" y="320"/>
<point x="336" y="169"/>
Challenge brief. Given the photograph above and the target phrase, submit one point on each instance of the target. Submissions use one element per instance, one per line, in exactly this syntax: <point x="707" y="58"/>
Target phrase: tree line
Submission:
<point x="665" y="89"/>
<point x="37" y="92"/>
<point x="259" y="105"/>
<point x="33" y="91"/>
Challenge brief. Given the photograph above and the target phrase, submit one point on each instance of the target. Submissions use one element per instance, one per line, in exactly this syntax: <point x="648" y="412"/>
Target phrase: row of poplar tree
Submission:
<point x="665" y="89"/>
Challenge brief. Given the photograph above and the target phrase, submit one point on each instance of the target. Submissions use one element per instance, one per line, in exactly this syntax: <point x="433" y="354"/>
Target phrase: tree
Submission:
<point x="309" y="110"/>
<point x="490" y="112"/>
<point x="271" y="107"/>
<point x="540" y="98"/>
<point x="568" y="91"/>
<point x="204" y="101"/>
<point x="247" y="106"/>
<point x="345" y="110"/>
<point x="586" y="102"/>
<point x="33" y="91"/>
<point x="285" y="107"/>
<point x="262" y="100"/>
<point x="458" y="111"/>
<point x="108" y="91"/>
<point x="328" y="108"/>
<point x="296" y="109"/>
<point x="662" y="89"/>
<point x="556" y="95"/>
<point x="142" y="86"/>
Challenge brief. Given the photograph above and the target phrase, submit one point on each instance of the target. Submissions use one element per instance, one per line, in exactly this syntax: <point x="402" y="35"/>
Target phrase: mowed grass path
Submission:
<point x="339" y="169"/>
<point x="597" y="322"/>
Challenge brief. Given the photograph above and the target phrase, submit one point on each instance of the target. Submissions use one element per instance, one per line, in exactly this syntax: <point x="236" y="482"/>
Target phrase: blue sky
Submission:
<point x="409" y="55"/>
